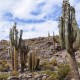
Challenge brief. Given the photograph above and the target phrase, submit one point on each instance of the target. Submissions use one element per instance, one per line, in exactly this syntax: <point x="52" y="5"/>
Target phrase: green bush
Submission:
<point x="49" y="64"/>
<point x="6" y="66"/>
<point x="53" y="76"/>
<point x="14" y="73"/>
<point x="53" y="62"/>
<point x="63" y="71"/>
<point x="4" y="62"/>
<point x="4" y="76"/>
<point x="1" y="68"/>
<point x="48" y="72"/>
<point x="78" y="64"/>
<point x="0" y="61"/>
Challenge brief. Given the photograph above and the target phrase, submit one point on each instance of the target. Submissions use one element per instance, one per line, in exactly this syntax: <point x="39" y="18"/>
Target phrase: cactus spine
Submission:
<point x="72" y="38"/>
<point x="15" y="42"/>
<point x="33" y="61"/>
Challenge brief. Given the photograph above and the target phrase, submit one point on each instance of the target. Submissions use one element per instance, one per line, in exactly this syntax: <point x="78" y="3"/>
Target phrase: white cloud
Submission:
<point x="22" y="9"/>
<point x="41" y="30"/>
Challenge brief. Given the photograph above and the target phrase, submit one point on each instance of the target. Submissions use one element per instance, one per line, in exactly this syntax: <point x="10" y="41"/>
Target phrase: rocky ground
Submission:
<point x="46" y="52"/>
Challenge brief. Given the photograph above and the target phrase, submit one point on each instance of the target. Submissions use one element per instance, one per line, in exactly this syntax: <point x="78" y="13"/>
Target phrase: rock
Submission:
<point x="39" y="79"/>
<point x="13" y="78"/>
<point x="36" y="76"/>
<point x="31" y="79"/>
<point x="44" y="76"/>
<point x="29" y="76"/>
<point x="72" y="79"/>
<point x="23" y="75"/>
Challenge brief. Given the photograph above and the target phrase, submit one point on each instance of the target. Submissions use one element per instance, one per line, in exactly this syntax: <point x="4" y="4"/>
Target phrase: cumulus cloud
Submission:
<point x="35" y="17"/>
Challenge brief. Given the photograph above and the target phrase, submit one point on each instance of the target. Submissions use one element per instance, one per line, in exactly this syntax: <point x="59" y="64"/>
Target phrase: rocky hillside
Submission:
<point x="44" y="45"/>
<point x="47" y="54"/>
<point x="4" y="45"/>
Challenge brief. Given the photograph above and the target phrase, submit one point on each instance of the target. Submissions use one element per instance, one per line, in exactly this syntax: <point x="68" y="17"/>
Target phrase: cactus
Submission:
<point x="62" y="24"/>
<point x="72" y="38"/>
<point x="48" y="36"/>
<point x="53" y="40"/>
<point x="11" y="54"/>
<point x="33" y="61"/>
<point x="23" y="55"/>
<point x="62" y="33"/>
<point x="15" y="42"/>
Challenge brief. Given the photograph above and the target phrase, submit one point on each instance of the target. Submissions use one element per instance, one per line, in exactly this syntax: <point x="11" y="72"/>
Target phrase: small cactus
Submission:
<point x="33" y="61"/>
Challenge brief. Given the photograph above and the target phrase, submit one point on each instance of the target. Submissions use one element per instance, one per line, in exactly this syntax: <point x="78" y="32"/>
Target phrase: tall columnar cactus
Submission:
<point x="11" y="54"/>
<point x="62" y="33"/>
<point x="53" y="40"/>
<point x="62" y="24"/>
<point x="11" y="50"/>
<point x="48" y="34"/>
<point x="23" y="55"/>
<point x="72" y="39"/>
<point x="33" y="61"/>
<point x="15" y="40"/>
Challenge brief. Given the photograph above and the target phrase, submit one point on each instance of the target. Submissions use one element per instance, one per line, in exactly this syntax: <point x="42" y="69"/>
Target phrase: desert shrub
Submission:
<point x="49" y="64"/>
<point x="4" y="62"/>
<point x="46" y="65"/>
<point x="53" y="76"/>
<point x="0" y="61"/>
<point x="54" y="51"/>
<point x="1" y="68"/>
<point x="48" y="72"/>
<point x="14" y="73"/>
<point x="78" y="64"/>
<point x="53" y="62"/>
<point x="6" y="66"/>
<point x="63" y="71"/>
<point x="4" y="76"/>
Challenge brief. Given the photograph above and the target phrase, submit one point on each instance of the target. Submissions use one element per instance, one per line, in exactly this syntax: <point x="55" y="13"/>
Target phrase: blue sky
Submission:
<point x="35" y="17"/>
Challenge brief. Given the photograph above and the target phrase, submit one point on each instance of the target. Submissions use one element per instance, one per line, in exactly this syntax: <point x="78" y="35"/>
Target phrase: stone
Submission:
<point x="39" y="79"/>
<point x="29" y="75"/>
<point x="44" y="77"/>
<point x="13" y="78"/>
<point x="23" y="75"/>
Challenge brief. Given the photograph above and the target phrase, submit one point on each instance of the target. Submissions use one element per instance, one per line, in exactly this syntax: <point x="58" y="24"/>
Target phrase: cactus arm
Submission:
<point x="20" y="39"/>
<point x="30" y="61"/>
<point x="77" y="42"/>
<point x="16" y="39"/>
<point x="67" y="39"/>
<point x="73" y="36"/>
